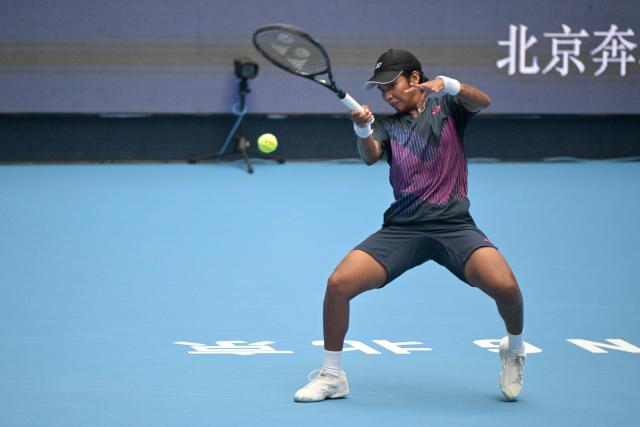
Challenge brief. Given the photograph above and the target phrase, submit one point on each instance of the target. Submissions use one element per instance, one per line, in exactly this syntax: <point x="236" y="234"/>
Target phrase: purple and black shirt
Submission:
<point x="428" y="167"/>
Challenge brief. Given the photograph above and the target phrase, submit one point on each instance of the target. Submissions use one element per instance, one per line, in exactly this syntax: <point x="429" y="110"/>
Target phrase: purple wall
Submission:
<point x="150" y="56"/>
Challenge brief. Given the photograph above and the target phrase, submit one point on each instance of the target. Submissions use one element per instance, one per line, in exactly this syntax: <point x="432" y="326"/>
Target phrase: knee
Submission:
<point x="506" y="290"/>
<point x="339" y="287"/>
<point x="511" y="293"/>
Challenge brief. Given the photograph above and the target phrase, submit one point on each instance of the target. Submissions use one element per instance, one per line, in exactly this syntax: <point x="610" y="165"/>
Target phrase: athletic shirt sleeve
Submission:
<point x="380" y="134"/>
<point x="460" y="114"/>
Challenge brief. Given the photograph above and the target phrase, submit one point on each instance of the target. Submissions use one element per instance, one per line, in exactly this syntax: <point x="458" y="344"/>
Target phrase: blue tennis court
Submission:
<point x="172" y="294"/>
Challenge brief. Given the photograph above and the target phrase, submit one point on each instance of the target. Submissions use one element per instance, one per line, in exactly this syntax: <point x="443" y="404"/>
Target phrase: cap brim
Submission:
<point x="383" y="78"/>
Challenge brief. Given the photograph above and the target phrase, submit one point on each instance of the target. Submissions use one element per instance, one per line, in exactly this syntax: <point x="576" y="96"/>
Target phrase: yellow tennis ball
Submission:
<point x="267" y="142"/>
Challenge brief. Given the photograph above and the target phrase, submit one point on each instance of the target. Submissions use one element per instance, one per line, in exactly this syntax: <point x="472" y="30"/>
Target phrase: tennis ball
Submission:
<point x="267" y="142"/>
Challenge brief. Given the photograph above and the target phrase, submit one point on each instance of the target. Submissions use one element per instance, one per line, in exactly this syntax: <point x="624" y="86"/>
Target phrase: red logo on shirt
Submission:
<point x="435" y="110"/>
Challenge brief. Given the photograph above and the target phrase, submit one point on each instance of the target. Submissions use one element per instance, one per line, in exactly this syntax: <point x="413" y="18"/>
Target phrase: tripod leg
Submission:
<point x="243" y="147"/>
<point x="202" y="157"/>
<point x="275" y="158"/>
<point x="225" y="145"/>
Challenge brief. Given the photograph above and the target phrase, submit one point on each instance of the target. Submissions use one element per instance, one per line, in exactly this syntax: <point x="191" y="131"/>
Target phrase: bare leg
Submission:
<point x="357" y="272"/>
<point x="488" y="271"/>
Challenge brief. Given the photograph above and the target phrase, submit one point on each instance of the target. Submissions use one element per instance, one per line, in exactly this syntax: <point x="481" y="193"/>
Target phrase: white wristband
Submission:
<point x="451" y="86"/>
<point x="363" y="132"/>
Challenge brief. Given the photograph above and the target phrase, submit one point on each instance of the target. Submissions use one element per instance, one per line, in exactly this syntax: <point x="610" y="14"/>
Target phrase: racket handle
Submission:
<point x="349" y="102"/>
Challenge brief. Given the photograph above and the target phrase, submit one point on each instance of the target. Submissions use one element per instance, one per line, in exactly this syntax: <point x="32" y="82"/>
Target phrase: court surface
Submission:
<point x="106" y="267"/>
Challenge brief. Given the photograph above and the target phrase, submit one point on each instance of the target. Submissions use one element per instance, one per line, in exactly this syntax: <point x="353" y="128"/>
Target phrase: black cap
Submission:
<point x="390" y="65"/>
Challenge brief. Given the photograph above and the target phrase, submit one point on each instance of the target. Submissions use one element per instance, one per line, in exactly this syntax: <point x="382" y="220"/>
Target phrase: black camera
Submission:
<point x="245" y="68"/>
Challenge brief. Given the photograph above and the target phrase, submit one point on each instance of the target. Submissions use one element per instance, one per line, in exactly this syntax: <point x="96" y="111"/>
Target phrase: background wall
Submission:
<point x="161" y="56"/>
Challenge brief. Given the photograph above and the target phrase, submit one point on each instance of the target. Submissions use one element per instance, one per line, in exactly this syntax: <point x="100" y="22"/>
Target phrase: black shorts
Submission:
<point x="399" y="248"/>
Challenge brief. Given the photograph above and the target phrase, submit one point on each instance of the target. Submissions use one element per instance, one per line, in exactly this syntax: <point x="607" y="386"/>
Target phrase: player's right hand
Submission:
<point x="361" y="117"/>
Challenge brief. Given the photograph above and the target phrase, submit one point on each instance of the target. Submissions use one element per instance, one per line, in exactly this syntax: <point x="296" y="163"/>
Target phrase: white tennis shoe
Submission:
<point x="512" y="372"/>
<point x="323" y="386"/>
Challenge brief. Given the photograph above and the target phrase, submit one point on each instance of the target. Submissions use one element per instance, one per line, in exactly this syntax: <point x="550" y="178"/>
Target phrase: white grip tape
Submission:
<point x="351" y="103"/>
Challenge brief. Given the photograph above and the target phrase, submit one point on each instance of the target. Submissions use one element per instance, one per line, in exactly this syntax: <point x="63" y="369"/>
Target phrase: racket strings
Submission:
<point x="292" y="51"/>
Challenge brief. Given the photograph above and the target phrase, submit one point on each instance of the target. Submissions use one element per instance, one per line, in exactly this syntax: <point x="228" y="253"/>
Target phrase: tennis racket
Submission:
<point x="295" y="51"/>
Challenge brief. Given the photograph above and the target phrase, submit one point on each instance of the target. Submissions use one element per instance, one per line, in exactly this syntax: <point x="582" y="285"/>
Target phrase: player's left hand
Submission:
<point x="427" y="87"/>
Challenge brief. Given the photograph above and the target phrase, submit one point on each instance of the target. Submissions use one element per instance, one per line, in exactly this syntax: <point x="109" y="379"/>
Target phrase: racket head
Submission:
<point x="293" y="50"/>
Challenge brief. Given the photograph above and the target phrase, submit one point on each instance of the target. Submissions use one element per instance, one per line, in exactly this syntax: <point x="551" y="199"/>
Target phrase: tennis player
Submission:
<point x="429" y="219"/>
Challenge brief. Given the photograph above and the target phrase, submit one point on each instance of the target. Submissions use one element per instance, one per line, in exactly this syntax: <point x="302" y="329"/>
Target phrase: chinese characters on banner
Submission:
<point x="614" y="50"/>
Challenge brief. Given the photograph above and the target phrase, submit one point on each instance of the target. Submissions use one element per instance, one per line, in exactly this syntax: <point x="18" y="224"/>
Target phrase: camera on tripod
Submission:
<point x="245" y="68"/>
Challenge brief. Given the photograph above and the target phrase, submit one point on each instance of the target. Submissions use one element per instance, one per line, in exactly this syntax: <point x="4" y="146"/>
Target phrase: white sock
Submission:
<point x="333" y="362"/>
<point x="516" y="343"/>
